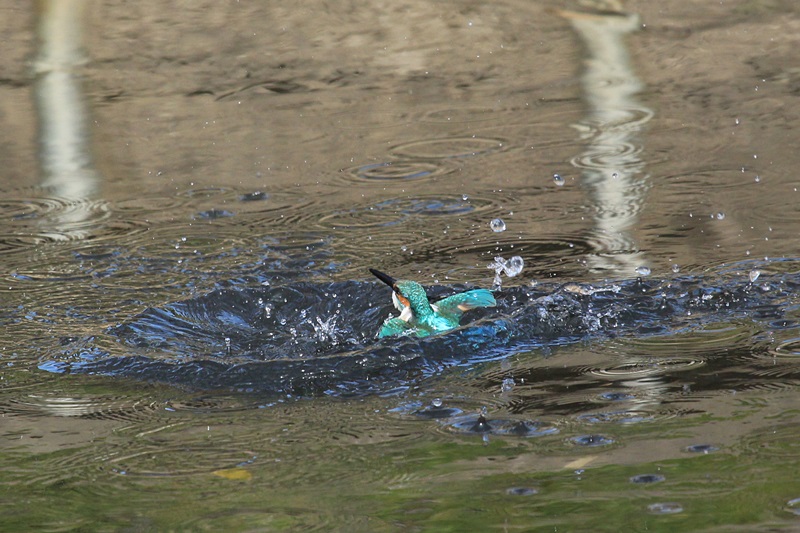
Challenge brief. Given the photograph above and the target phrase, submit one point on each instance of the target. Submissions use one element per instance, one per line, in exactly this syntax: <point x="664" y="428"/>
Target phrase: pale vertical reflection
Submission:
<point x="63" y="134"/>
<point x="611" y="166"/>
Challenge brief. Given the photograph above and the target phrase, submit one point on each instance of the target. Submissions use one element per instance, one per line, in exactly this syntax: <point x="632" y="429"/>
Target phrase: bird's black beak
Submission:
<point x="386" y="278"/>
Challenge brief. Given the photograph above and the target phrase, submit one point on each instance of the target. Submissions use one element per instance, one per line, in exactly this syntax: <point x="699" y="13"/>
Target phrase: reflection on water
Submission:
<point x="63" y="119"/>
<point x="611" y="164"/>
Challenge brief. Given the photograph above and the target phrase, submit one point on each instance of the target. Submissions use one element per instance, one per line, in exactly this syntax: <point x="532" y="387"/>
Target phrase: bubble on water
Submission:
<point x="616" y="396"/>
<point x="592" y="440"/>
<point x="558" y="180"/>
<point x="497" y="225"/>
<point x="720" y="216"/>
<point x="754" y="275"/>
<point x="643" y="271"/>
<point x="648" y="478"/>
<point x="676" y="268"/>
<point x="701" y="448"/>
<point x="665" y="508"/>
<point x="481" y="425"/>
<point x="521" y="491"/>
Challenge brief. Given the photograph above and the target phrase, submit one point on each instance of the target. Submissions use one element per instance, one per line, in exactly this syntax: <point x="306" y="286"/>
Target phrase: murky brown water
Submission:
<point x="152" y="155"/>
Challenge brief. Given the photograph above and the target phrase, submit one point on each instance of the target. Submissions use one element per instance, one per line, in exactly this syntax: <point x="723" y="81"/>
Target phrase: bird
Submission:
<point x="421" y="318"/>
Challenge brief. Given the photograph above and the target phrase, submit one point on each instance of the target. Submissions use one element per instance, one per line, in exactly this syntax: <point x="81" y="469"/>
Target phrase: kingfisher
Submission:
<point x="421" y="318"/>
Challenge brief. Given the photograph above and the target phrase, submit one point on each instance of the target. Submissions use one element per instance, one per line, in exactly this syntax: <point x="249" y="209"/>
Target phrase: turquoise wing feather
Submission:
<point x="394" y="326"/>
<point x="458" y="303"/>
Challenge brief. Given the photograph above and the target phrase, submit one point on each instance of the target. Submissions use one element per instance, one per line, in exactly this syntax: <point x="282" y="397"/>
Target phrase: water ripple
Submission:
<point x="454" y="147"/>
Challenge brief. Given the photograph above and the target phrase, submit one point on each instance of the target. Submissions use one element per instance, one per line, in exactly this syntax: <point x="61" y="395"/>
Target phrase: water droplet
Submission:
<point x="464" y="197"/>
<point x="643" y="271"/>
<point x="437" y="402"/>
<point x="757" y="178"/>
<point x="676" y="268"/>
<point x="558" y="180"/>
<point x="754" y="275"/>
<point x="507" y="385"/>
<point x="514" y="266"/>
<point x="720" y="216"/>
<point x="497" y="225"/>
<point x="614" y="175"/>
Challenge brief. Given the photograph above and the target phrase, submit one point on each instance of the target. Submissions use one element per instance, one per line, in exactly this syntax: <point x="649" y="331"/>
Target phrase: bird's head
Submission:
<point x="408" y="296"/>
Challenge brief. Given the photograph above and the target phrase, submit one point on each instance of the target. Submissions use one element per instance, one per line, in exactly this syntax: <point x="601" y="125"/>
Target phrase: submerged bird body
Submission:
<point x="421" y="318"/>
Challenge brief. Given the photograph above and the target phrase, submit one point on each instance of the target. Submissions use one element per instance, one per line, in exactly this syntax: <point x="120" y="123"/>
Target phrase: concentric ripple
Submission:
<point x="481" y="425"/>
<point x="646" y="368"/>
<point x="398" y="170"/>
<point x="455" y="147"/>
<point x="96" y="408"/>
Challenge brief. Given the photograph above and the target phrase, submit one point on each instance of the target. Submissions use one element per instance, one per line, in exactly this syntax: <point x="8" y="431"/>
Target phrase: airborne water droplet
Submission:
<point x="514" y="266"/>
<point x="497" y="225"/>
<point x="754" y="275"/>
<point x="558" y="180"/>
<point x="720" y="216"/>
<point x="676" y="268"/>
<point x="643" y="271"/>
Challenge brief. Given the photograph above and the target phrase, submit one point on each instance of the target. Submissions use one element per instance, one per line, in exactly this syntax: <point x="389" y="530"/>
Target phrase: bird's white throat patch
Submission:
<point x="406" y="314"/>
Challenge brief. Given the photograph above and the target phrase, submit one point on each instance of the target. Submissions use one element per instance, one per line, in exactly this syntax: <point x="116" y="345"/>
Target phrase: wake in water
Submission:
<point x="320" y="338"/>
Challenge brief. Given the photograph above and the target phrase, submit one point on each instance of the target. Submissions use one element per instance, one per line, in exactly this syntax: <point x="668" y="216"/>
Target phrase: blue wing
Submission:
<point x="394" y="326"/>
<point x="458" y="303"/>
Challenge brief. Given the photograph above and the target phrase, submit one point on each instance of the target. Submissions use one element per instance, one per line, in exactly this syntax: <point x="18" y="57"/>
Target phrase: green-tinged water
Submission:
<point x="186" y="462"/>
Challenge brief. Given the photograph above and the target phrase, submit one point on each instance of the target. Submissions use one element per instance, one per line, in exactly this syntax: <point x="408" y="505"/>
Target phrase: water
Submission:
<point x="188" y="308"/>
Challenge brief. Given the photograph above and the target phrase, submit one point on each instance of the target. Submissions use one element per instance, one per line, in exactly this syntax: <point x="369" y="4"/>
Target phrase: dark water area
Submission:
<point x="307" y="339"/>
<point x="191" y="200"/>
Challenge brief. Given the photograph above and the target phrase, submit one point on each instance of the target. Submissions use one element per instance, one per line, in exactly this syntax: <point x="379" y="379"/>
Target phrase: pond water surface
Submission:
<point x="192" y="199"/>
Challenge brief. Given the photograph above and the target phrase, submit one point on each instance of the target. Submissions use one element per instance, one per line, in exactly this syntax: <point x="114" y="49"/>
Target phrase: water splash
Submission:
<point x="510" y="268"/>
<point x="313" y="342"/>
